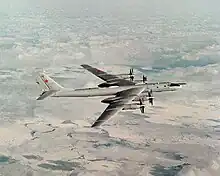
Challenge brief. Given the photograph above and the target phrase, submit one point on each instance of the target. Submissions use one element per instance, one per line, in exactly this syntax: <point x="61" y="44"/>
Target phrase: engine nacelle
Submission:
<point x="110" y="99"/>
<point x="124" y="76"/>
<point x="131" y="107"/>
<point x="143" y="97"/>
<point x="106" y="84"/>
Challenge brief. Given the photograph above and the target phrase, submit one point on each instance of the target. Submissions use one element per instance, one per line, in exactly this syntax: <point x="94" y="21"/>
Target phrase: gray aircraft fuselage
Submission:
<point x="92" y="92"/>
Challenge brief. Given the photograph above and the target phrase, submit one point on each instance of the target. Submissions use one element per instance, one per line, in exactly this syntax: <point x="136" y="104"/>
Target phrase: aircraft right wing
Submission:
<point x="107" y="77"/>
<point x="117" y="105"/>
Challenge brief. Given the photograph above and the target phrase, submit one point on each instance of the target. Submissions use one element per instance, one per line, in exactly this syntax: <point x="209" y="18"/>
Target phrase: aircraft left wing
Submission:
<point x="107" y="77"/>
<point x="124" y="97"/>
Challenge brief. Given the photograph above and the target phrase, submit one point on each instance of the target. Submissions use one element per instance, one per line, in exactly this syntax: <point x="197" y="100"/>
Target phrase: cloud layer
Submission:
<point x="167" y="41"/>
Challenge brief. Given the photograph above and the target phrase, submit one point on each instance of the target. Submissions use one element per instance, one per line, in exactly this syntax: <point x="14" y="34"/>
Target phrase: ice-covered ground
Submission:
<point x="167" y="41"/>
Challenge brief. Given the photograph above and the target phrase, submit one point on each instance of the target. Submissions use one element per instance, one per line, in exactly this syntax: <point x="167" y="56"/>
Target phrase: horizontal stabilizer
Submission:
<point x="46" y="94"/>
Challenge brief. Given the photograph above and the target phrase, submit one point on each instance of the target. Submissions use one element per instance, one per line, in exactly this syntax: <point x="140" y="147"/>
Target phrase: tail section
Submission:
<point x="48" y="86"/>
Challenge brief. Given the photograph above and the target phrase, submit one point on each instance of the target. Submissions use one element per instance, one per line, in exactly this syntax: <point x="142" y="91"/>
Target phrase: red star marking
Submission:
<point x="46" y="81"/>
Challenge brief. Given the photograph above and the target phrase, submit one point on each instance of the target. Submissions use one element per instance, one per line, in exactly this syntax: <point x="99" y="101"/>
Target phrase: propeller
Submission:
<point x="131" y="71"/>
<point x="132" y="78"/>
<point x="150" y="95"/>
<point x="144" y="79"/>
<point x="141" y="101"/>
<point x="131" y="74"/>
<point x="142" y="107"/>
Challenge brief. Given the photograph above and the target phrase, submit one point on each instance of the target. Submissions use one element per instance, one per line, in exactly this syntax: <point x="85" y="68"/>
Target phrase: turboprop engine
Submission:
<point x="131" y="106"/>
<point x="143" y="80"/>
<point x="114" y="82"/>
<point x="145" y="97"/>
<point x="134" y="106"/>
<point x="129" y="75"/>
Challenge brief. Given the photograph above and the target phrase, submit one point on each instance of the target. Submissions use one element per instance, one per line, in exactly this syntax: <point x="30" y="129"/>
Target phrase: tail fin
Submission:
<point x="48" y="85"/>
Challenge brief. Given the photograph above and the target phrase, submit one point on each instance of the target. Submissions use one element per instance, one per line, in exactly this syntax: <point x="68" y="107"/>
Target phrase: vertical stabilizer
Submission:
<point x="48" y="86"/>
<point x="48" y="83"/>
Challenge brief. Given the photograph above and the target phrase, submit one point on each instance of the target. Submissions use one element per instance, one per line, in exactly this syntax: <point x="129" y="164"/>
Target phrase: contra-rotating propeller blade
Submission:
<point x="150" y="95"/>
<point x="141" y="101"/>
<point x="131" y="71"/>
<point x="132" y="78"/>
<point x="131" y="74"/>
<point x="144" y="79"/>
<point x="141" y="106"/>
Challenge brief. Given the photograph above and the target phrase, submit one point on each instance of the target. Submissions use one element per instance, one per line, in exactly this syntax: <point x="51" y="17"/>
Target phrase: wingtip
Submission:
<point x="38" y="98"/>
<point x="95" y="125"/>
<point x="84" y="65"/>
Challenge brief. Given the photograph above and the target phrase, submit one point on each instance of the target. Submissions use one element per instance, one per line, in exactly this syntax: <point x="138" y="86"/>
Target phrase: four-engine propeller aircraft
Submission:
<point x="116" y="80"/>
<point x="122" y="97"/>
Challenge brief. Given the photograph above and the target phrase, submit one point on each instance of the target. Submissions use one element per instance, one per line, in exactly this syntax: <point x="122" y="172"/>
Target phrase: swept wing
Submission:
<point x="124" y="97"/>
<point x="107" y="77"/>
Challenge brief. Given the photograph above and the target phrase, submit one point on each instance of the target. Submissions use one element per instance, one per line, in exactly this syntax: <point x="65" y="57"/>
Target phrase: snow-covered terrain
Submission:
<point x="166" y="40"/>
